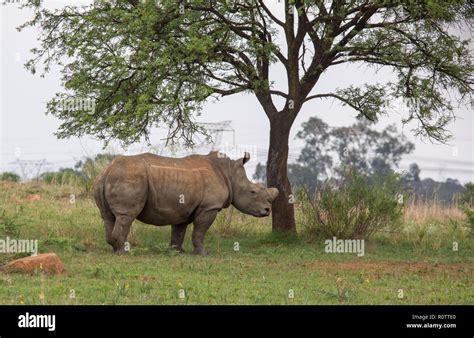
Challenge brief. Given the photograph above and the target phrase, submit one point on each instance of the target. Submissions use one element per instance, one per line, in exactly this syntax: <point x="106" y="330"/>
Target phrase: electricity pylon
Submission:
<point x="215" y="131"/>
<point x="24" y="165"/>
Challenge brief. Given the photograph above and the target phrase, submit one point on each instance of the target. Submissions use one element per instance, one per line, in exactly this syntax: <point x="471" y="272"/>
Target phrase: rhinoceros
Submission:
<point x="162" y="190"/>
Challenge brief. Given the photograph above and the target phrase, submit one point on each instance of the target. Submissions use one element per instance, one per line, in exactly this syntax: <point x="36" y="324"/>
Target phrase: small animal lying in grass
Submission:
<point x="162" y="190"/>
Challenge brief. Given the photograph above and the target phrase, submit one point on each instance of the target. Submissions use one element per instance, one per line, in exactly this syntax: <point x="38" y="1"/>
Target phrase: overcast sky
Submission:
<point x="27" y="132"/>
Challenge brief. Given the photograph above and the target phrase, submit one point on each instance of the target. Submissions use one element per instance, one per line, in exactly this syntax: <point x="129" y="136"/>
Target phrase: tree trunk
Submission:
<point x="283" y="213"/>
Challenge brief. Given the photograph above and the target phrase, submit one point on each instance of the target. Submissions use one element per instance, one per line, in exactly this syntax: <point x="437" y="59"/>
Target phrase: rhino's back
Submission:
<point x="178" y="187"/>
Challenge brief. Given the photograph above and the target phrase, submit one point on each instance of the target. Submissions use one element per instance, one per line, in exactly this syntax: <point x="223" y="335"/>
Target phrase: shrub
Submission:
<point x="470" y="217"/>
<point x="91" y="168"/>
<point x="61" y="177"/>
<point x="9" y="225"/>
<point x="355" y="206"/>
<point x="9" y="176"/>
<point x="466" y="201"/>
<point x="467" y="197"/>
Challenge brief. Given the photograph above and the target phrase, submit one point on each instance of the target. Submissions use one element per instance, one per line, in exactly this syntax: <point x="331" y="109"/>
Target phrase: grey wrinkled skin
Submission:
<point x="178" y="191"/>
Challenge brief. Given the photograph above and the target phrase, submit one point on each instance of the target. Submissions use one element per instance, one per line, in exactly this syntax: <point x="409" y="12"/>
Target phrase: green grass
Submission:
<point x="263" y="271"/>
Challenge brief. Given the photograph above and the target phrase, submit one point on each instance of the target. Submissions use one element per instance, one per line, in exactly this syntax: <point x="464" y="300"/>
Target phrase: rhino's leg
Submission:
<point x="120" y="233"/>
<point x="109" y="222"/>
<point x="202" y="222"/>
<point x="109" y="227"/>
<point x="178" y="231"/>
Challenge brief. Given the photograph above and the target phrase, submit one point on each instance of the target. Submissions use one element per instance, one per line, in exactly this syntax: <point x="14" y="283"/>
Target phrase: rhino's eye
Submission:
<point x="254" y="191"/>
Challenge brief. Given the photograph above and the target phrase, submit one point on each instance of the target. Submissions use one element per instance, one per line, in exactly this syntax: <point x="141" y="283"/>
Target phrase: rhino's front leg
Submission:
<point x="178" y="231"/>
<point x="202" y="222"/>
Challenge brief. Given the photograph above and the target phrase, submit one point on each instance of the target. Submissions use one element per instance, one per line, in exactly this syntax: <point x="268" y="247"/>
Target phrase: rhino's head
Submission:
<point x="250" y="198"/>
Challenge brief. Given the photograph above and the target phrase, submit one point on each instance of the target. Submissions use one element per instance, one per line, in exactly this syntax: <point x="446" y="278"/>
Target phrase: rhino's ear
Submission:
<point x="246" y="158"/>
<point x="273" y="193"/>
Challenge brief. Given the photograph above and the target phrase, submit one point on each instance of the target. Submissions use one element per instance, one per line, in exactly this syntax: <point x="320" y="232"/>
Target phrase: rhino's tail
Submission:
<point x="100" y="200"/>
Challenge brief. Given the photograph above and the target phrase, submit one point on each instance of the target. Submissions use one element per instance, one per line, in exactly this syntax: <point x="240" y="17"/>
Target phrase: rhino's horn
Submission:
<point x="273" y="193"/>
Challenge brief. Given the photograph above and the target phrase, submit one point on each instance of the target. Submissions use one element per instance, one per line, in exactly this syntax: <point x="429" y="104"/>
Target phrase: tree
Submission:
<point x="358" y="147"/>
<point x="60" y="177"/>
<point x="260" y="173"/>
<point x="368" y="151"/>
<point x="429" y="190"/>
<point x="315" y="154"/>
<point x="10" y="177"/>
<point x="298" y="175"/>
<point x="147" y="62"/>
<point x="413" y="174"/>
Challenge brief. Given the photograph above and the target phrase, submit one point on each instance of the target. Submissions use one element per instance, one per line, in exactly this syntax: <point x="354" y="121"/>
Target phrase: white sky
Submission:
<point x="27" y="133"/>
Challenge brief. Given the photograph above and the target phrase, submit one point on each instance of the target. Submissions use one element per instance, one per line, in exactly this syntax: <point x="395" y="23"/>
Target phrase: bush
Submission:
<point x="353" y="207"/>
<point x="467" y="197"/>
<point x="61" y="177"/>
<point x="466" y="201"/>
<point x="9" y="225"/>
<point x="83" y="174"/>
<point x="91" y="168"/>
<point x="10" y="177"/>
<point x="470" y="217"/>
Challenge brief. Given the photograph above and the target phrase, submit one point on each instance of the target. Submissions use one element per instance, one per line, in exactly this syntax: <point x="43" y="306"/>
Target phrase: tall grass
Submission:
<point x="421" y="212"/>
<point x="432" y="225"/>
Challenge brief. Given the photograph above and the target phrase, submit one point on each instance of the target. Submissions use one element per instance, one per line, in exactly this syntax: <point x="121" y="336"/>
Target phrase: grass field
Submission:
<point x="416" y="265"/>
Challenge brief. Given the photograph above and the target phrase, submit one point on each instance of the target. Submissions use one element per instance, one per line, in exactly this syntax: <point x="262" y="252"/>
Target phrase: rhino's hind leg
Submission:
<point x="120" y="233"/>
<point x="109" y="227"/>
<point x="202" y="222"/>
<point x="109" y="222"/>
<point x="178" y="231"/>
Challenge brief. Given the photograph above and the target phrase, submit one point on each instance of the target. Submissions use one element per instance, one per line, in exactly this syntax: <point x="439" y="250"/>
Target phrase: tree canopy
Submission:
<point x="149" y="63"/>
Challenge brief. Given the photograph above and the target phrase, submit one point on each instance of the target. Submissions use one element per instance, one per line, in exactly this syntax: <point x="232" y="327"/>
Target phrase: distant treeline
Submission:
<point x="427" y="189"/>
<point x="329" y="152"/>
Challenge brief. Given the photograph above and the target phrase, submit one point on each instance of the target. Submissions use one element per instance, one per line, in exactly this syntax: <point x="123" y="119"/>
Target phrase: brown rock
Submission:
<point x="47" y="262"/>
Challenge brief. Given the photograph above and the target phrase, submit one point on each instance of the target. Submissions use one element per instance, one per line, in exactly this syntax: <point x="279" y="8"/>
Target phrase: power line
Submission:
<point x="431" y="159"/>
<point x="216" y="129"/>
<point x="25" y="164"/>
